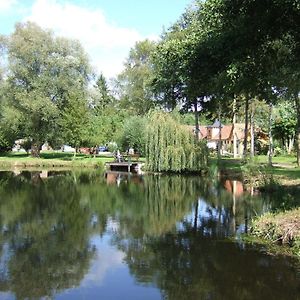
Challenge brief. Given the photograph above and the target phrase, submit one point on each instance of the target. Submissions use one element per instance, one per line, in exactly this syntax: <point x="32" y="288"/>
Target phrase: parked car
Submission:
<point x="66" y="148"/>
<point x="17" y="148"/>
<point x="103" y="149"/>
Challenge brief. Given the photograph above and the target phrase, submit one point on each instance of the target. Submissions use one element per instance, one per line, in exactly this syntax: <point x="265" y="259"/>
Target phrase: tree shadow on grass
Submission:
<point x="290" y="173"/>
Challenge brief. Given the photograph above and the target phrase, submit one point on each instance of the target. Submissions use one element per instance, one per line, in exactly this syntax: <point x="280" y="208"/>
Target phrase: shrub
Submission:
<point x="133" y="134"/>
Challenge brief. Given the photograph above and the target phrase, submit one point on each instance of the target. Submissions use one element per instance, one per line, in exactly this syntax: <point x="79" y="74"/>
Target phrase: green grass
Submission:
<point x="284" y="169"/>
<point x="282" y="227"/>
<point x="280" y="159"/>
<point x="52" y="159"/>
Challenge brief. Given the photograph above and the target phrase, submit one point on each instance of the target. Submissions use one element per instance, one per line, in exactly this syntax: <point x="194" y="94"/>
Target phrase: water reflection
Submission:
<point x="234" y="187"/>
<point x="70" y="234"/>
<point x="113" y="177"/>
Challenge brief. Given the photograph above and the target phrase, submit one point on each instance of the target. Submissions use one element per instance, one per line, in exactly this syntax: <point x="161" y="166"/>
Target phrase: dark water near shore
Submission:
<point x="86" y="235"/>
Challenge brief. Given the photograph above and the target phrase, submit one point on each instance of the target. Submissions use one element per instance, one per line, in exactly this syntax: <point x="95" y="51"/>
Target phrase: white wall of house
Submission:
<point x="215" y="131"/>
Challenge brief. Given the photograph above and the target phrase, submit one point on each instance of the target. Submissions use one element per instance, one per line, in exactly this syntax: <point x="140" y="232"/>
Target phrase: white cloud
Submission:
<point x="107" y="44"/>
<point x="6" y="5"/>
<point x="107" y="259"/>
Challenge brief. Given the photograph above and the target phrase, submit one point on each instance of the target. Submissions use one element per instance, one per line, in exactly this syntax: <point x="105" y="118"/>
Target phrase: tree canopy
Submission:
<point x="46" y="73"/>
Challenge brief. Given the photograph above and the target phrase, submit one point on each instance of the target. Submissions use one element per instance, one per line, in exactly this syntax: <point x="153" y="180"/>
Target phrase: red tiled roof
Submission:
<point x="226" y="132"/>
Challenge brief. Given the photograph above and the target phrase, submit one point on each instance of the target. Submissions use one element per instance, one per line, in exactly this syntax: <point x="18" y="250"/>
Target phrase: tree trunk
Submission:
<point x="297" y="100"/>
<point x="233" y="129"/>
<point x="291" y="144"/>
<point x="75" y="152"/>
<point x="270" y="154"/>
<point x="252" y="132"/>
<point x="219" y="141"/>
<point x="197" y="121"/>
<point x="246" y="127"/>
<point x="35" y="149"/>
<point x="286" y="145"/>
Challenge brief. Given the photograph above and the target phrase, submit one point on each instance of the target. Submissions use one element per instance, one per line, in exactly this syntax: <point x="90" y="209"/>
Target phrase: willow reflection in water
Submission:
<point x="167" y="233"/>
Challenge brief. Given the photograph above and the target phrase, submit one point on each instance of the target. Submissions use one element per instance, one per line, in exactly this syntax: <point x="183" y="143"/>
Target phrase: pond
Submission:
<point x="89" y="235"/>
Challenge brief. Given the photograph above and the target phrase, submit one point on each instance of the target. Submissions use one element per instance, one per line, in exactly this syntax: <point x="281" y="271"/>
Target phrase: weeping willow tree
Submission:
<point x="170" y="147"/>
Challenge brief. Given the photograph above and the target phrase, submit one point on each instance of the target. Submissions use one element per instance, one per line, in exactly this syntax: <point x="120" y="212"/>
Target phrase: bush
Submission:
<point x="132" y="135"/>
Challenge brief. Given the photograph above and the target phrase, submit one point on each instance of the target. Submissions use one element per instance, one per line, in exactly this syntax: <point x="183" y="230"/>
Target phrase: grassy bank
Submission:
<point x="282" y="181"/>
<point x="280" y="228"/>
<point x="52" y="159"/>
<point x="284" y="171"/>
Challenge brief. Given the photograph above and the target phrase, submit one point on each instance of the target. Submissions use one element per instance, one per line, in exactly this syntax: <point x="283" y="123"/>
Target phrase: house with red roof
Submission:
<point x="223" y="133"/>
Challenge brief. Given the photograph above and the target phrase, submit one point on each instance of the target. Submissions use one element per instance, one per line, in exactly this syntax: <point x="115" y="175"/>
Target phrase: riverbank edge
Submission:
<point x="48" y="163"/>
<point x="276" y="231"/>
<point x="280" y="228"/>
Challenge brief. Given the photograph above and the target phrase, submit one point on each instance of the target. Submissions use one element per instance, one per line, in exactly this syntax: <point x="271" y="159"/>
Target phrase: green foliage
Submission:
<point x="171" y="147"/>
<point x="45" y="73"/>
<point x="74" y="121"/>
<point x="133" y="84"/>
<point x="10" y="120"/>
<point x="101" y="97"/>
<point x="285" y="123"/>
<point x="105" y="127"/>
<point x="133" y="134"/>
<point x="26" y="144"/>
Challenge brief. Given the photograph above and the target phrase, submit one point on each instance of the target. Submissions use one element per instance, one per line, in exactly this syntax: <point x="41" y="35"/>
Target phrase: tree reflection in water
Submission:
<point x="172" y="230"/>
<point x="46" y="230"/>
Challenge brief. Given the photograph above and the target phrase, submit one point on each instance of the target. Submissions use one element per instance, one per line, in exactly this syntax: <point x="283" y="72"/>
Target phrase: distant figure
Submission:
<point x="131" y="151"/>
<point x="119" y="156"/>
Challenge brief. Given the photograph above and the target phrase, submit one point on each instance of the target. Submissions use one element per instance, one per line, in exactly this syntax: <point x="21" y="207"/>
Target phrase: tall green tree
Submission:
<point x="74" y="121"/>
<point x="228" y="48"/>
<point x="9" y="117"/>
<point x="101" y="96"/>
<point x="45" y="71"/>
<point x="133" y="84"/>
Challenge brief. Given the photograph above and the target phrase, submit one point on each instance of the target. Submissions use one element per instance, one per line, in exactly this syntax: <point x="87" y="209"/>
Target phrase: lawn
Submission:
<point x="284" y="168"/>
<point x="53" y="159"/>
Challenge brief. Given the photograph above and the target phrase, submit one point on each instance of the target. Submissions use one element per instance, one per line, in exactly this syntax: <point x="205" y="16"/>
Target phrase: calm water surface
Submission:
<point x="85" y="235"/>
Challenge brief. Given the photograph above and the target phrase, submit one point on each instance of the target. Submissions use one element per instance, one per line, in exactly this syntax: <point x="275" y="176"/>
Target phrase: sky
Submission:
<point x="107" y="29"/>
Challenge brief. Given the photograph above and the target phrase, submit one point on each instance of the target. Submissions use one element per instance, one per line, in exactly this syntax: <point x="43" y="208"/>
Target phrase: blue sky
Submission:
<point x="106" y="28"/>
